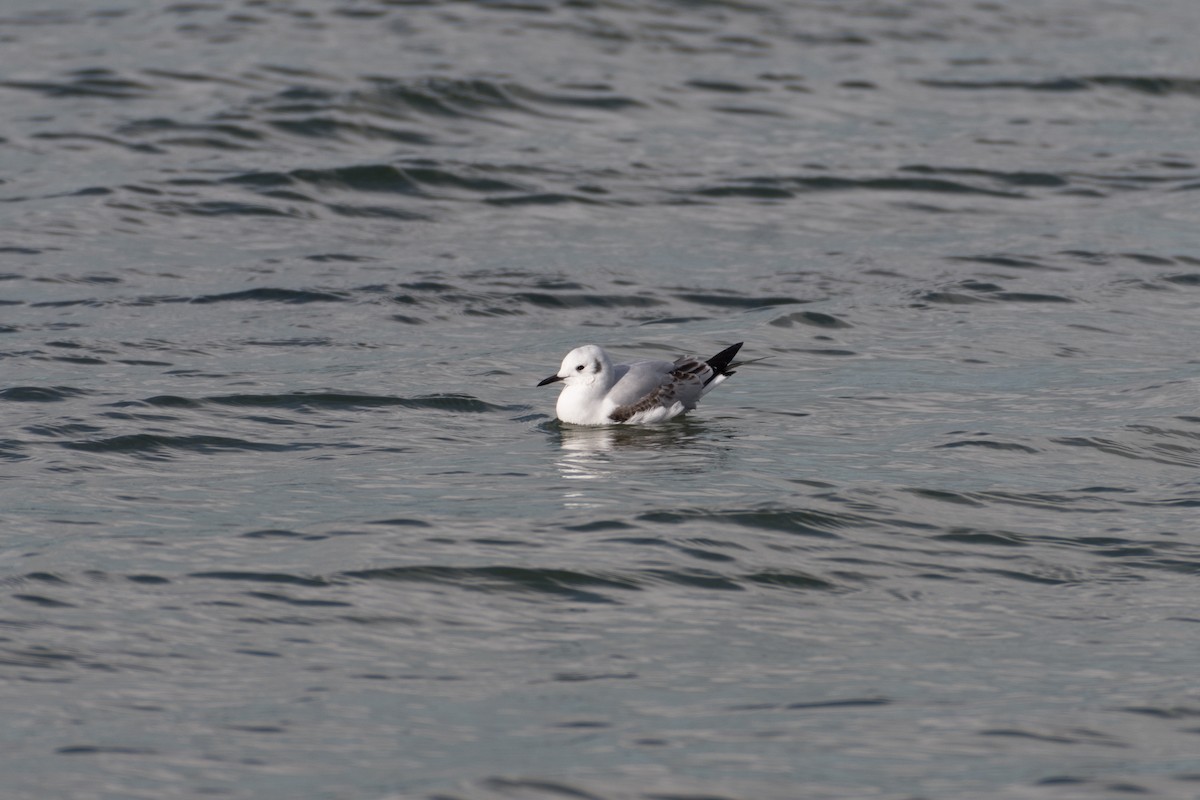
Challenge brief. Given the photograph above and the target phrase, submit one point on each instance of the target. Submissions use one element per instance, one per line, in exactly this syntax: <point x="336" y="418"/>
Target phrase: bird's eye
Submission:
<point x="579" y="368"/>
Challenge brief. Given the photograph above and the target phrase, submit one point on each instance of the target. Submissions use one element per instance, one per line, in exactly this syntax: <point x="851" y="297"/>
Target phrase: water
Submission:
<point x="285" y="517"/>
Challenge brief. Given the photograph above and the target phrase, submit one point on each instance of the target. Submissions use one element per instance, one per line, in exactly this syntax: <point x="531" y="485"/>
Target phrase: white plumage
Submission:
<point x="597" y="392"/>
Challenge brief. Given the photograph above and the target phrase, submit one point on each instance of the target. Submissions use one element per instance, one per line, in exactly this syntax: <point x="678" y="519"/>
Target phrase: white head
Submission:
<point x="584" y="366"/>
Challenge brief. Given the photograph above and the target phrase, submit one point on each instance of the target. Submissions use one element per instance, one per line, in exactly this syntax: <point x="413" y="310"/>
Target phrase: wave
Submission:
<point x="154" y="444"/>
<point x="1158" y="86"/>
<point x="811" y="523"/>
<point x="97" y="82"/>
<point x="40" y="394"/>
<point x="269" y="295"/>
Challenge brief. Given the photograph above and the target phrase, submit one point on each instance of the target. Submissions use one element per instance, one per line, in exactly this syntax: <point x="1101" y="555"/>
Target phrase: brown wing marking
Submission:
<point x="652" y="400"/>
<point x="688" y="367"/>
<point x="685" y="369"/>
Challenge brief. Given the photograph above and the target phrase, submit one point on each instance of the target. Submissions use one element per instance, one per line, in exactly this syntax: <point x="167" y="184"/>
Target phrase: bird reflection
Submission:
<point x="601" y="453"/>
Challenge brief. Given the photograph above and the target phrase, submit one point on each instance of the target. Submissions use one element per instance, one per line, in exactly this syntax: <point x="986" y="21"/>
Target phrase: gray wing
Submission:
<point x="650" y="384"/>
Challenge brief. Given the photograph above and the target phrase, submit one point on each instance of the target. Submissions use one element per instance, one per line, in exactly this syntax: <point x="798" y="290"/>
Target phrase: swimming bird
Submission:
<point x="598" y="392"/>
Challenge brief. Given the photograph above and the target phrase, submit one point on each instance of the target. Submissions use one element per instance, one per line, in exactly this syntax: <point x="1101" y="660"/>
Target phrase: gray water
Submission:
<point x="284" y="515"/>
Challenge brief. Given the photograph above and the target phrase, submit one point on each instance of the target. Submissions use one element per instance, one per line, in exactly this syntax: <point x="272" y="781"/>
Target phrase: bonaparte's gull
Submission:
<point x="597" y="392"/>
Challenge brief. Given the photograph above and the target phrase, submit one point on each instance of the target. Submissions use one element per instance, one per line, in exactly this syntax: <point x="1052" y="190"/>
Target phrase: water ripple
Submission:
<point x="1157" y="86"/>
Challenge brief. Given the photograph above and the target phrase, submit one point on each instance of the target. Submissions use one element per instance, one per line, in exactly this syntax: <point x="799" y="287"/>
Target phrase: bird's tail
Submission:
<point x="722" y="363"/>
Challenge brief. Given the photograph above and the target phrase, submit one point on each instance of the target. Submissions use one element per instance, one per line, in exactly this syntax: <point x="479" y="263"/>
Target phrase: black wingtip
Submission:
<point x="721" y="361"/>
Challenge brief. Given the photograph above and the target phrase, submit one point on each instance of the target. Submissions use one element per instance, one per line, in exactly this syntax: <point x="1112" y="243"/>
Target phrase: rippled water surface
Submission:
<point x="284" y="515"/>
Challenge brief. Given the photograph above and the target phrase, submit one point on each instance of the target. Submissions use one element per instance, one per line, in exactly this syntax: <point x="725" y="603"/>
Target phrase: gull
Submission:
<point x="598" y="392"/>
